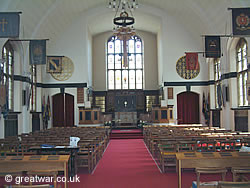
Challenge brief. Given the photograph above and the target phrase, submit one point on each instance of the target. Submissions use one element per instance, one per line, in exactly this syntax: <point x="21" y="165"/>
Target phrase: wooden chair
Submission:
<point x="222" y="184"/>
<point x="44" y="173"/>
<point x="167" y="156"/>
<point x="86" y="157"/>
<point x="239" y="170"/>
<point x="210" y="170"/>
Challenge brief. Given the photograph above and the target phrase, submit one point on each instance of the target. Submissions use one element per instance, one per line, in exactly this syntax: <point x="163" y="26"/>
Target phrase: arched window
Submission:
<point x="242" y="72"/>
<point x="122" y="74"/>
<point x="7" y="72"/>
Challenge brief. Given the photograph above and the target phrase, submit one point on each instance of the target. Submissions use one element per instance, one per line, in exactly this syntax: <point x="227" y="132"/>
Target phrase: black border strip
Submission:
<point x="201" y="83"/>
<point x="195" y="83"/>
<point x="62" y="85"/>
<point x="22" y="78"/>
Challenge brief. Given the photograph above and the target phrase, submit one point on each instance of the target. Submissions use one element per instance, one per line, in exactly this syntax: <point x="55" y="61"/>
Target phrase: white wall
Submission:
<point x="73" y="43"/>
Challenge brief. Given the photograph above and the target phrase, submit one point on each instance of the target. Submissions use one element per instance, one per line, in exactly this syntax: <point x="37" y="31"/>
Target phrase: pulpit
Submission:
<point x="162" y="114"/>
<point x="89" y="115"/>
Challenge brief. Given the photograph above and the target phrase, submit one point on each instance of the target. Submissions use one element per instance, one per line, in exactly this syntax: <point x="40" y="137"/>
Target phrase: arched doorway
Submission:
<point x="63" y="110"/>
<point x="188" y="108"/>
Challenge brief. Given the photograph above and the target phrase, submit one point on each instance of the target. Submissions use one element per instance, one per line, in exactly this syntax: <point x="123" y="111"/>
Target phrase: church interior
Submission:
<point x="124" y="93"/>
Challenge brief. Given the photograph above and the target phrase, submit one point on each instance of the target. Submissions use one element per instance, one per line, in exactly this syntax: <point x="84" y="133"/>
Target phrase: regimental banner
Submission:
<point x="37" y="49"/>
<point x="212" y="46"/>
<point x="192" y="61"/>
<point x="241" y="21"/>
<point x="54" y="64"/>
<point x="9" y="24"/>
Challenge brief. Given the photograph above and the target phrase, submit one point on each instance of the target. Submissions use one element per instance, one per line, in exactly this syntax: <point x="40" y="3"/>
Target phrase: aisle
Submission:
<point x="127" y="164"/>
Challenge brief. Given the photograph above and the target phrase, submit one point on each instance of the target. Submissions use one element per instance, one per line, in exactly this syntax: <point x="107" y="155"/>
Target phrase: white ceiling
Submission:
<point x="45" y="18"/>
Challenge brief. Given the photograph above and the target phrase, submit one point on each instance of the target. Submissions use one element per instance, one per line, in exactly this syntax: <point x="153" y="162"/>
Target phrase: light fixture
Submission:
<point x="123" y="28"/>
<point x="121" y="5"/>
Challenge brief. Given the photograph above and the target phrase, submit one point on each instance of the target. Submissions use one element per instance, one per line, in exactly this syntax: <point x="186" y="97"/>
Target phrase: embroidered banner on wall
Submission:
<point x="192" y="61"/>
<point x="9" y="24"/>
<point x="54" y="64"/>
<point x="241" y="21"/>
<point x="212" y="46"/>
<point x="37" y="50"/>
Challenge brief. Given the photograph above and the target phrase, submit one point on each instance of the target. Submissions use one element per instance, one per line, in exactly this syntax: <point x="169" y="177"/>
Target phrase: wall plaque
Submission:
<point x="170" y="93"/>
<point x="80" y="95"/>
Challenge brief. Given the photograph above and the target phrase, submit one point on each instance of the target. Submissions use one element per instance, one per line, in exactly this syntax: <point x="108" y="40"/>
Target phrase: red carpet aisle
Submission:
<point x="127" y="164"/>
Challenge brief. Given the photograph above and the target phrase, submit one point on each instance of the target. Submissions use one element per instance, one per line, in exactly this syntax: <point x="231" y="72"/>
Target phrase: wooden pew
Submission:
<point x="211" y="159"/>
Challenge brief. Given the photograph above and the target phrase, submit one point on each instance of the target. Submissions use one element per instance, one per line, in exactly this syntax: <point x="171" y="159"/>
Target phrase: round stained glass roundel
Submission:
<point x="182" y="71"/>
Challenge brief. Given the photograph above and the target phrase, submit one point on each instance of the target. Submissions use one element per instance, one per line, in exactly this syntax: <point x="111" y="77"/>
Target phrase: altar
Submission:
<point x="126" y="118"/>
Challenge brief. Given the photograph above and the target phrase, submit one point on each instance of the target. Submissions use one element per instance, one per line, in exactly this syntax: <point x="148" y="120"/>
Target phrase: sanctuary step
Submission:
<point x="119" y="126"/>
<point x="126" y="134"/>
<point x="122" y="127"/>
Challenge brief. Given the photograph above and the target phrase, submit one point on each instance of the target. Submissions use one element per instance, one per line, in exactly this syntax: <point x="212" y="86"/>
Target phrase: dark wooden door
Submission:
<point x="63" y="110"/>
<point x="69" y="110"/>
<point x="188" y="108"/>
<point x="58" y="110"/>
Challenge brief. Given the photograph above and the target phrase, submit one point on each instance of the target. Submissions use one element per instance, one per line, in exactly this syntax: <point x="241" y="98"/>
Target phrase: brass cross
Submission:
<point x="3" y="22"/>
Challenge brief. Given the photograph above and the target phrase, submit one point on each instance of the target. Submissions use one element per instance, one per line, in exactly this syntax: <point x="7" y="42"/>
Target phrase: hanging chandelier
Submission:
<point x="123" y="22"/>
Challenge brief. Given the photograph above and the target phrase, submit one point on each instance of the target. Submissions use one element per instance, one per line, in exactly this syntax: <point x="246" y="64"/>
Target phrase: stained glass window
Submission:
<point x="124" y="74"/>
<point x="242" y="71"/>
<point x="7" y="72"/>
